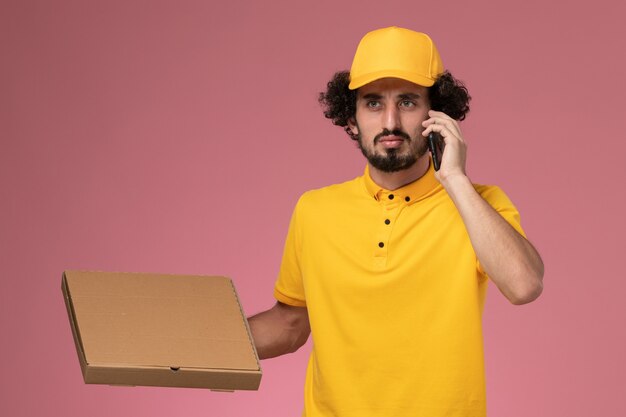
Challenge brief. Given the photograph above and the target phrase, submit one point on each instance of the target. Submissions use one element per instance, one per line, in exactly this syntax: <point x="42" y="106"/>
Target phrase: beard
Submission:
<point x="394" y="159"/>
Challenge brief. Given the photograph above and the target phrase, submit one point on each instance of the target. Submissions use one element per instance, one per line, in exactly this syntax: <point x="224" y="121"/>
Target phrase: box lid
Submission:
<point x="135" y="320"/>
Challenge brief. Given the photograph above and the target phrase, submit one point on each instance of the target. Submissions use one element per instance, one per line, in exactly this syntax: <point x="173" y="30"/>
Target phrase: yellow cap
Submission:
<point x="398" y="53"/>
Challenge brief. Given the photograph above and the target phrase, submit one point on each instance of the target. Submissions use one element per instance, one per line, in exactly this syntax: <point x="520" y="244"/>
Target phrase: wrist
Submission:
<point x="453" y="182"/>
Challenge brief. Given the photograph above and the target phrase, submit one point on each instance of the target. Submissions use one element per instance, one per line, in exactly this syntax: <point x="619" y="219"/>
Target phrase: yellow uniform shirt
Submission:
<point x="394" y="295"/>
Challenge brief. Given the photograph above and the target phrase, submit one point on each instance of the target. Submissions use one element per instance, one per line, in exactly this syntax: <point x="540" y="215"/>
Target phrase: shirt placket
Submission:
<point x="391" y="206"/>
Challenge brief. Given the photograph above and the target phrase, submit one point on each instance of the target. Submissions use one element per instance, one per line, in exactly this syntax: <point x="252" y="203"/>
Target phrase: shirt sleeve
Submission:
<point x="289" y="288"/>
<point x="503" y="205"/>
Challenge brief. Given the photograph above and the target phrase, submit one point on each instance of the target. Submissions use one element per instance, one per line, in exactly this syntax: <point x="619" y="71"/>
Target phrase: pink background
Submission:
<point x="176" y="137"/>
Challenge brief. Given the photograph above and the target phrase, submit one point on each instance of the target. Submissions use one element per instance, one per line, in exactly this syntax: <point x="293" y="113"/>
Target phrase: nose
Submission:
<point x="391" y="118"/>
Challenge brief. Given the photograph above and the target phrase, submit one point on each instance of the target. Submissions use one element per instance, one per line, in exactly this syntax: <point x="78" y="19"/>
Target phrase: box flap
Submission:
<point x="157" y="320"/>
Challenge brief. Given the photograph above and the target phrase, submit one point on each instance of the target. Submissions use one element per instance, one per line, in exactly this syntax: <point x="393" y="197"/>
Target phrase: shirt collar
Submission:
<point x="417" y="190"/>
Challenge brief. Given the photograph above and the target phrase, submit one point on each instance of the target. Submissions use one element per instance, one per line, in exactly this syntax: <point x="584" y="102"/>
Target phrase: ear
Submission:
<point x="353" y="126"/>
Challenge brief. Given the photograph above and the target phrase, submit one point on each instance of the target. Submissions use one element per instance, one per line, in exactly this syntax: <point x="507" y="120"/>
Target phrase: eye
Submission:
<point x="373" y="104"/>
<point x="407" y="103"/>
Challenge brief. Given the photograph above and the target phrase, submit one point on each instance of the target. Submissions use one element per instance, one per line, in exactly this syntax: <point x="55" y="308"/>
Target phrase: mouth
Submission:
<point x="391" y="142"/>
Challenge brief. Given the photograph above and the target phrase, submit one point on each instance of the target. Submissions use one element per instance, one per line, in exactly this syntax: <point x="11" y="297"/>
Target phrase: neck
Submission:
<point x="394" y="180"/>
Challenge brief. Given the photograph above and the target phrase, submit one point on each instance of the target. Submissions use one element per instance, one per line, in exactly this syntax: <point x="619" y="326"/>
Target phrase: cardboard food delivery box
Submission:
<point x="160" y="330"/>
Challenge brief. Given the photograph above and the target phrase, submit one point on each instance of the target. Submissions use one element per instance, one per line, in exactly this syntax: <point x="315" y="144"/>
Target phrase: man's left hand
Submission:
<point x="453" y="159"/>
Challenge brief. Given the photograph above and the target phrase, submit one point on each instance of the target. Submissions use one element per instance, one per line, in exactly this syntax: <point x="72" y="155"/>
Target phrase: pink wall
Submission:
<point x="176" y="137"/>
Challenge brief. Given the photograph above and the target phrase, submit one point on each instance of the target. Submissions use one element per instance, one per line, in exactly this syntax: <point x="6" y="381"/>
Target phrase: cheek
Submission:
<point x="422" y="118"/>
<point x="414" y="126"/>
<point x="368" y="126"/>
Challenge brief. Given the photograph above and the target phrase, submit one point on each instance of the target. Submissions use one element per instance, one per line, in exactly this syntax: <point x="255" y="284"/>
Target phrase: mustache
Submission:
<point x="387" y="132"/>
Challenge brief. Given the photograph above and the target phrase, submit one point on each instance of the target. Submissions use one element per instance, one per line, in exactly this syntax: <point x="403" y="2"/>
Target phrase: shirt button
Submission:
<point x="381" y="244"/>
<point x="391" y="196"/>
<point x="407" y="199"/>
<point x="387" y="221"/>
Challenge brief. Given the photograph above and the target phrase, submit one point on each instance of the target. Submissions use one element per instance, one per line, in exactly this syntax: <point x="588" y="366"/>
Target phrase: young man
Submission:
<point x="389" y="271"/>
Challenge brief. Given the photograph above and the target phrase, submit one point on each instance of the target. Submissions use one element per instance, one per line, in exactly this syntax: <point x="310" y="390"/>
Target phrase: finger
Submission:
<point x="444" y="121"/>
<point x="443" y="130"/>
<point x="439" y="114"/>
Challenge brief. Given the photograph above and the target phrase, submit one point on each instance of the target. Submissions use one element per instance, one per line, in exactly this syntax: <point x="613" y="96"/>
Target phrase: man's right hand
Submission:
<point x="280" y="330"/>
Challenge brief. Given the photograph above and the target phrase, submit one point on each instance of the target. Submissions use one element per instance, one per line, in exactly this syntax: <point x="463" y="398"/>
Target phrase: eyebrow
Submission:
<point x="403" y="96"/>
<point x="410" y="96"/>
<point x="371" y="96"/>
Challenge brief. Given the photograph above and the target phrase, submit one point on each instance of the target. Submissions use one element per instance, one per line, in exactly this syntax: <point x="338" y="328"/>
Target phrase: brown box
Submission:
<point x="160" y="330"/>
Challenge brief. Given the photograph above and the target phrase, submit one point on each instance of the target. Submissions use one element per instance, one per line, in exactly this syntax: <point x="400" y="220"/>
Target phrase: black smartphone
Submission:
<point x="436" y="145"/>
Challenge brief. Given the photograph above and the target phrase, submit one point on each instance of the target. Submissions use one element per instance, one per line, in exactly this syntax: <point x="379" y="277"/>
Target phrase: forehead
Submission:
<point x="391" y="86"/>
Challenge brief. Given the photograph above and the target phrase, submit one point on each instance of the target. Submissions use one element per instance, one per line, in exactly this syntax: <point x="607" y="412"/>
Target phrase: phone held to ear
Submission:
<point x="436" y="145"/>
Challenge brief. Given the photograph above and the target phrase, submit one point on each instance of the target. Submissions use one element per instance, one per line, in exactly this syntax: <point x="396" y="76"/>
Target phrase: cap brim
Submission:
<point x="373" y="76"/>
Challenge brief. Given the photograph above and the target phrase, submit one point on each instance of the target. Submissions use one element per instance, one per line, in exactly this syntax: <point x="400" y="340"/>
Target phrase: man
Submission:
<point x="389" y="271"/>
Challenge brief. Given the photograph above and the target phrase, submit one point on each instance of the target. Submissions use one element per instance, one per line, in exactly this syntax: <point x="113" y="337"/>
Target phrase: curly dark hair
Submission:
<point x="447" y="95"/>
